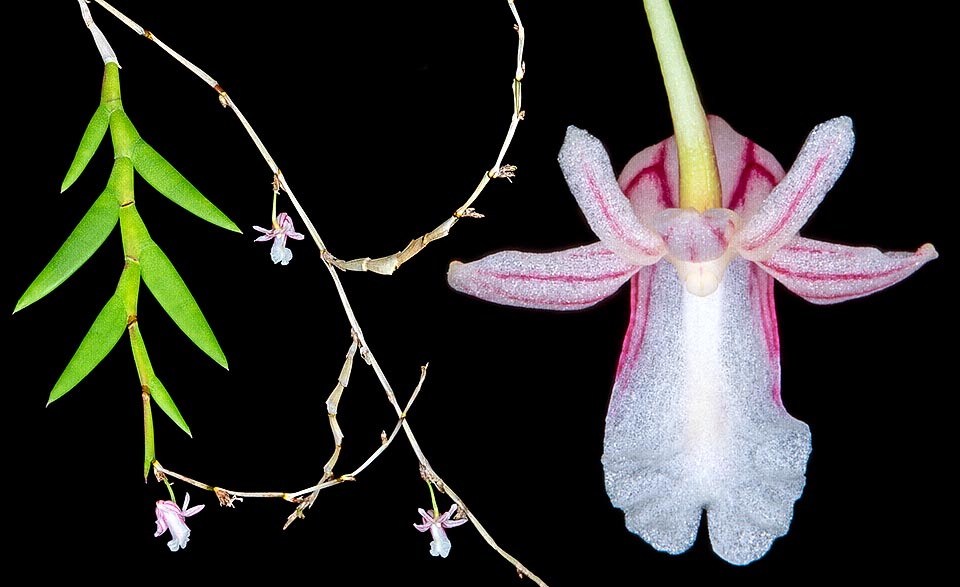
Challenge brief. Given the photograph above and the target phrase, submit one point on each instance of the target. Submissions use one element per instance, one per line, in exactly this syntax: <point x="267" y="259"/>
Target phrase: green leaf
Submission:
<point x="102" y="336"/>
<point x="96" y="129"/>
<point x="159" y="394"/>
<point x="123" y="133"/>
<point x="85" y="239"/>
<point x="172" y="293"/>
<point x="168" y="181"/>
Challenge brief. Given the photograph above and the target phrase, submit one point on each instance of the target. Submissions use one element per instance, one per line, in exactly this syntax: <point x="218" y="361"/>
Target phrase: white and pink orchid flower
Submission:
<point x="440" y="545"/>
<point x="171" y="517"/>
<point x="695" y="420"/>
<point x="282" y="230"/>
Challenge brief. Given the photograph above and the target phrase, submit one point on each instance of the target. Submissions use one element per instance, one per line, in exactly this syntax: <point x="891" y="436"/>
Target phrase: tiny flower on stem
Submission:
<point x="281" y="231"/>
<point x="440" y="545"/>
<point x="171" y="517"/>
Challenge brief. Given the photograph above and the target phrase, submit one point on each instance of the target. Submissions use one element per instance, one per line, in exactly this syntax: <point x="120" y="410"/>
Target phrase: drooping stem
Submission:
<point x="173" y="497"/>
<point x="433" y="499"/>
<point x="699" y="177"/>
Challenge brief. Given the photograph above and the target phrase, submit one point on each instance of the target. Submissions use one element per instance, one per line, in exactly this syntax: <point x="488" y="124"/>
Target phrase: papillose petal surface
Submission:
<point x="695" y="422"/>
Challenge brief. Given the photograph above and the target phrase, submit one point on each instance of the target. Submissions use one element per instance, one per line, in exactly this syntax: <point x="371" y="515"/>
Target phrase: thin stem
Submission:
<point x="173" y="497"/>
<point x="699" y="177"/>
<point x="433" y="500"/>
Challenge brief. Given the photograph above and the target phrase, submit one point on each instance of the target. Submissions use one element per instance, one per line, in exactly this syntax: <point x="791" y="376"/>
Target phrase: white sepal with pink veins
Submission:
<point x="171" y="517"/>
<point x="440" y="545"/>
<point x="695" y="420"/>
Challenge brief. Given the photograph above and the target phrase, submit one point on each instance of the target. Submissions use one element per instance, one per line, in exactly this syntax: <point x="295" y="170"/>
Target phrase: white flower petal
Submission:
<point x="820" y="162"/>
<point x="588" y="172"/>
<point x="440" y="545"/>
<point x="695" y="420"/>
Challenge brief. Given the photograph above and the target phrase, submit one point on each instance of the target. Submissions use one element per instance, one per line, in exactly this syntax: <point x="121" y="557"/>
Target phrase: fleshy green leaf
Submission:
<point x="172" y="293"/>
<point x="96" y="129"/>
<point x="123" y="133"/>
<point x="168" y="181"/>
<point x="159" y="394"/>
<point x="85" y="239"/>
<point x="102" y="336"/>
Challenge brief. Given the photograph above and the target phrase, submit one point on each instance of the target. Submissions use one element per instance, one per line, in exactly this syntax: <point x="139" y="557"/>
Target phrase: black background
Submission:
<point x="383" y="118"/>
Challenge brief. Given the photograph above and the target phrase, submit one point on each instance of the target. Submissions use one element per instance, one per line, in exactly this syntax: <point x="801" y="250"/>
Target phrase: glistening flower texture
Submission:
<point x="695" y="420"/>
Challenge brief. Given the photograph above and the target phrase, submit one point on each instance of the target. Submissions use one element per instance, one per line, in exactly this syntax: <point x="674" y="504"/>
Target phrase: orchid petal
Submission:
<point x="695" y="420"/>
<point x="440" y="545"/>
<point x="279" y="253"/>
<point x="191" y="511"/>
<point x="588" y="172"/>
<point x="161" y="513"/>
<point x="447" y="522"/>
<point x="427" y="520"/>
<point x="827" y="273"/>
<point x="564" y="280"/>
<point x="820" y="162"/>
<point x="455" y="523"/>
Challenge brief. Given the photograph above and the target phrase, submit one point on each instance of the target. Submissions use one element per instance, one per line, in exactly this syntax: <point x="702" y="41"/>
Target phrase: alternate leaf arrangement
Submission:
<point x="700" y="224"/>
<point x="143" y="258"/>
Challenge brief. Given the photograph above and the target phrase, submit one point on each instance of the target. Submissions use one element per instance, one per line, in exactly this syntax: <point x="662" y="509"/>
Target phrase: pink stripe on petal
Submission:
<point x="564" y="280"/>
<point x="747" y="173"/>
<point x="820" y="162"/>
<point x="636" y="328"/>
<point x="588" y="172"/>
<point x="827" y="273"/>
<point x="646" y="176"/>
<point x="761" y="296"/>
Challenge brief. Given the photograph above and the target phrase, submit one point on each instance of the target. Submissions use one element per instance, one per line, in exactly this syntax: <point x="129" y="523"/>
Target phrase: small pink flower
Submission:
<point x="170" y="516"/>
<point x="281" y="231"/>
<point x="440" y="545"/>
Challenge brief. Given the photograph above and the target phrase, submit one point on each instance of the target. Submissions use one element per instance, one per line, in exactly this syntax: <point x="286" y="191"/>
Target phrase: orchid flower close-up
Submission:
<point x="437" y="525"/>
<point x="282" y="230"/>
<point x="700" y="225"/>
<point x="695" y="419"/>
<point x="171" y="517"/>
